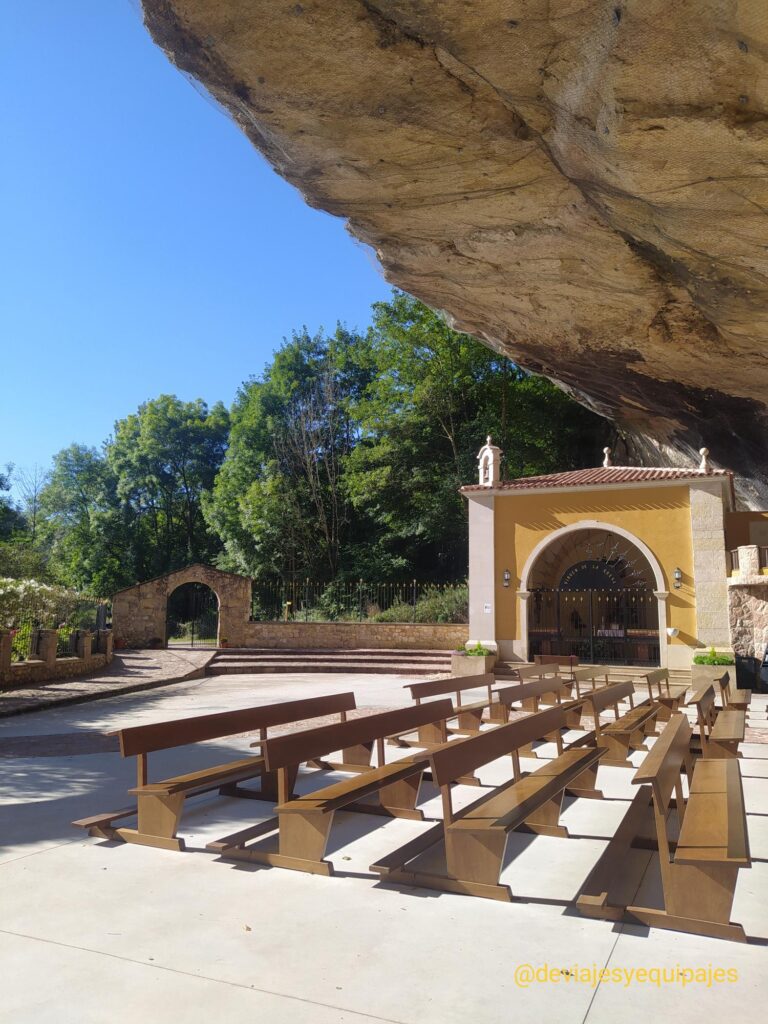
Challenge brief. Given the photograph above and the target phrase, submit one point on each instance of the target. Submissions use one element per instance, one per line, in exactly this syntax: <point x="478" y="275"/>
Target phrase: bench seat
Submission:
<point x="715" y="823"/>
<point x="206" y="778"/>
<point x="509" y="806"/>
<point x="727" y="733"/>
<point x="341" y="794"/>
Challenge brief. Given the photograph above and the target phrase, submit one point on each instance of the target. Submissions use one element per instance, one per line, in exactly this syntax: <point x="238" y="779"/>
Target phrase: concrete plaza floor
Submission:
<point x="93" y="931"/>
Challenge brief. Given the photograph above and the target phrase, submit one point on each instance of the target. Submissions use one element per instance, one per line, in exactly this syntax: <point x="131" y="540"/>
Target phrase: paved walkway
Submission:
<point x="204" y="939"/>
<point x="130" y="671"/>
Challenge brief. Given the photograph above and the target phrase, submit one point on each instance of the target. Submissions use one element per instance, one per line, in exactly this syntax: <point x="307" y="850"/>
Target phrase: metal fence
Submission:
<point x="69" y="617"/>
<point x="357" y="600"/>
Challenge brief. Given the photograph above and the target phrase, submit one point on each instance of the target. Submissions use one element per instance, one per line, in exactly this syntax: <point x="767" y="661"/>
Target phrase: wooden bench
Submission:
<point x="669" y="696"/>
<point x="720" y="732"/>
<point x="736" y="699"/>
<point x="304" y="823"/>
<point x="595" y="676"/>
<point x="465" y="852"/>
<point x="628" y="731"/>
<point x="699" y="870"/>
<point x="160" y="804"/>
<point x="568" y="663"/>
<point x="530" y="695"/>
<point x="469" y="716"/>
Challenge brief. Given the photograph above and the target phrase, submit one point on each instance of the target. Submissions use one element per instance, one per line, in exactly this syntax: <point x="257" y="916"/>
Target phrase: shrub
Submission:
<point x="713" y="658"/>
<point x="478" y="651"/>
<point x="437" y="604"/>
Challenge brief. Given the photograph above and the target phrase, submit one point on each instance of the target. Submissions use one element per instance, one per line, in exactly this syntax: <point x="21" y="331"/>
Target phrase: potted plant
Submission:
<point x="224" y="642"/>
<point x="474" y="660"/>
<point x="710" y="665"/>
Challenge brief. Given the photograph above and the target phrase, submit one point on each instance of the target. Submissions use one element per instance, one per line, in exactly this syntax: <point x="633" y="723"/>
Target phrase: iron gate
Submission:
<point x="597" y="626"/>
<point x="192" y="616"/>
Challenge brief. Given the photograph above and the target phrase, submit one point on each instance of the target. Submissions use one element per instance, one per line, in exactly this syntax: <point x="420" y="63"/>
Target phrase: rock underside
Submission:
<point x="582" y="186"/>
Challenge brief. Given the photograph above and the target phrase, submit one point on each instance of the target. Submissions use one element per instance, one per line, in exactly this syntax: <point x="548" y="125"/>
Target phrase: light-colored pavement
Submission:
<point x="94" y="932"/>
<point x="129" y="672"/>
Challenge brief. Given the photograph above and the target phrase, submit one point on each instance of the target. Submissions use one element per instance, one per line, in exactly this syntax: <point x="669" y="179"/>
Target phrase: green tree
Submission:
<point x="82" y="524"/>
<point x="164" y="458"/>
<point x="436" y="395"/>
<point x="10" y="516"/>
<point x="279" y="503"/>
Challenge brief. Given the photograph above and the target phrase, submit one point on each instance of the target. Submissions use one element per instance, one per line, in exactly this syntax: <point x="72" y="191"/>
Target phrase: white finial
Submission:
<point x="704" y="466"/>
<point x="489" y="458"/>
<point x="607" y="459"/>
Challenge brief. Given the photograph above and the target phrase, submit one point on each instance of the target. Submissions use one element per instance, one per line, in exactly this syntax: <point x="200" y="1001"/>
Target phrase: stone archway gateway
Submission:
<point x="192" y="616"/>
<point x="140" y="614"/>
<point x="590" y="591"/>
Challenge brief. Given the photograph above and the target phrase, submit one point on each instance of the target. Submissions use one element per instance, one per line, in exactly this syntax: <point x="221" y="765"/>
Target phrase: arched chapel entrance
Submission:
<point x="593" y="593"/>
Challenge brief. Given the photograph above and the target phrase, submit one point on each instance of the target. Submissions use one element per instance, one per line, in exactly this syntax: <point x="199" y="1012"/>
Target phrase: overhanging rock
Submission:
<point x="581" y="186"/>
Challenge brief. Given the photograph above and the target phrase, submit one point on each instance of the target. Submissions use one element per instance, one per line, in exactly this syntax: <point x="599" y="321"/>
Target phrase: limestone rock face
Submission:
<point x="580" y="185"/>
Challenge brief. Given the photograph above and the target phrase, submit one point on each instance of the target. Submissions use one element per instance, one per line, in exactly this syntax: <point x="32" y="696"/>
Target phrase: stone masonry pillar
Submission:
<point x="6" y="640"/>
<point x="106" y="642"/>
<point x="46" y="651"/>
<point x="84" y="643"/>
<point x="709" y="569"/>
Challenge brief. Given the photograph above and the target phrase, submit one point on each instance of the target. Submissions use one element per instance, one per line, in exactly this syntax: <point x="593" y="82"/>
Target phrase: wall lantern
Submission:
<point x="678" y="574"/>
<point x="506" y="576"/>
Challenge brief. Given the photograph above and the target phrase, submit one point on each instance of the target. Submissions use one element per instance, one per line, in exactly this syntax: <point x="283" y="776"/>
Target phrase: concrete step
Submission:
<point x="381" y="654"/>
<point x="374" y="661"/>
<point x="618" y="673"/>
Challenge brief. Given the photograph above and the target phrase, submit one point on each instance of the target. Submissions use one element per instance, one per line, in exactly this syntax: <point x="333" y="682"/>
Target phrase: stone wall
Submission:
<point x="748" y="605"/>
<point x="48" y="667"/>
<point x="356" y="635"/>
<point x="139" y="612"/>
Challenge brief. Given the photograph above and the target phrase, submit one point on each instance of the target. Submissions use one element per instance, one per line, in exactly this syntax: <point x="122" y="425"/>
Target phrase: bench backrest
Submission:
<point x="535" y="688"/>
<point x="591" y="675"/>
<point x="297" y="747"/>
<point x="706" y="712"/>
<point x="441" y="685"/>
<point x="724" y="682"/>
<point x="567" y="661"/>
<point x="659" y="678"/>
<point x="609" y="696"/>
<point x="143" y="739"/>
<point x="461" y="757"/>
<point x="661" y="766"/>
<point x="528" y="672"/>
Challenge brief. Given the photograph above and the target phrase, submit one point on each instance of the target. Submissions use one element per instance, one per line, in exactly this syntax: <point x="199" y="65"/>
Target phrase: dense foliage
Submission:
<point x="342" y="460"/>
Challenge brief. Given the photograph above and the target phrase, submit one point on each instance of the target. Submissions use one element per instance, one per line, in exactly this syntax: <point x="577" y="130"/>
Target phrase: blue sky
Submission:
<point x="145" y="246"/>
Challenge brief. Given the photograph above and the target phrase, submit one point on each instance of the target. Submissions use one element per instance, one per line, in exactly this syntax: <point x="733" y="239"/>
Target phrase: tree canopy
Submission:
<point x="343" y="459"/>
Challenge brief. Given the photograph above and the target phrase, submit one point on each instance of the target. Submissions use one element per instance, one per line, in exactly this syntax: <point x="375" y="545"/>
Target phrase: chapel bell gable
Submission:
<point x="489" y="464"/>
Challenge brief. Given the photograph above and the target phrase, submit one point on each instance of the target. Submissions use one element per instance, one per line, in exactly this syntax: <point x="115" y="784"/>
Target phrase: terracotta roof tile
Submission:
<point x="598" y="476"/>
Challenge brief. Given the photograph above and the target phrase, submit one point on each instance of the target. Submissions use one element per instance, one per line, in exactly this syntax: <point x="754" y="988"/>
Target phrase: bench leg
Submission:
<point x="470" y="720"/>
<point x="474" y="859"/>
<point x="159" y="816"/>
<point x="585" y="784"/>
<point x="697" y="899"/>
<point x="545" y="821"/>
<point x="399" y="798"/>
<point x="617" y="750"/>
<point x="432" y="732"/>
<point x="498" y="713"/>
<point x="573" y="718"/>
<point x="303" y="839"/>
<point x="359" y="755"/>
<point x="722" y="749"/>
